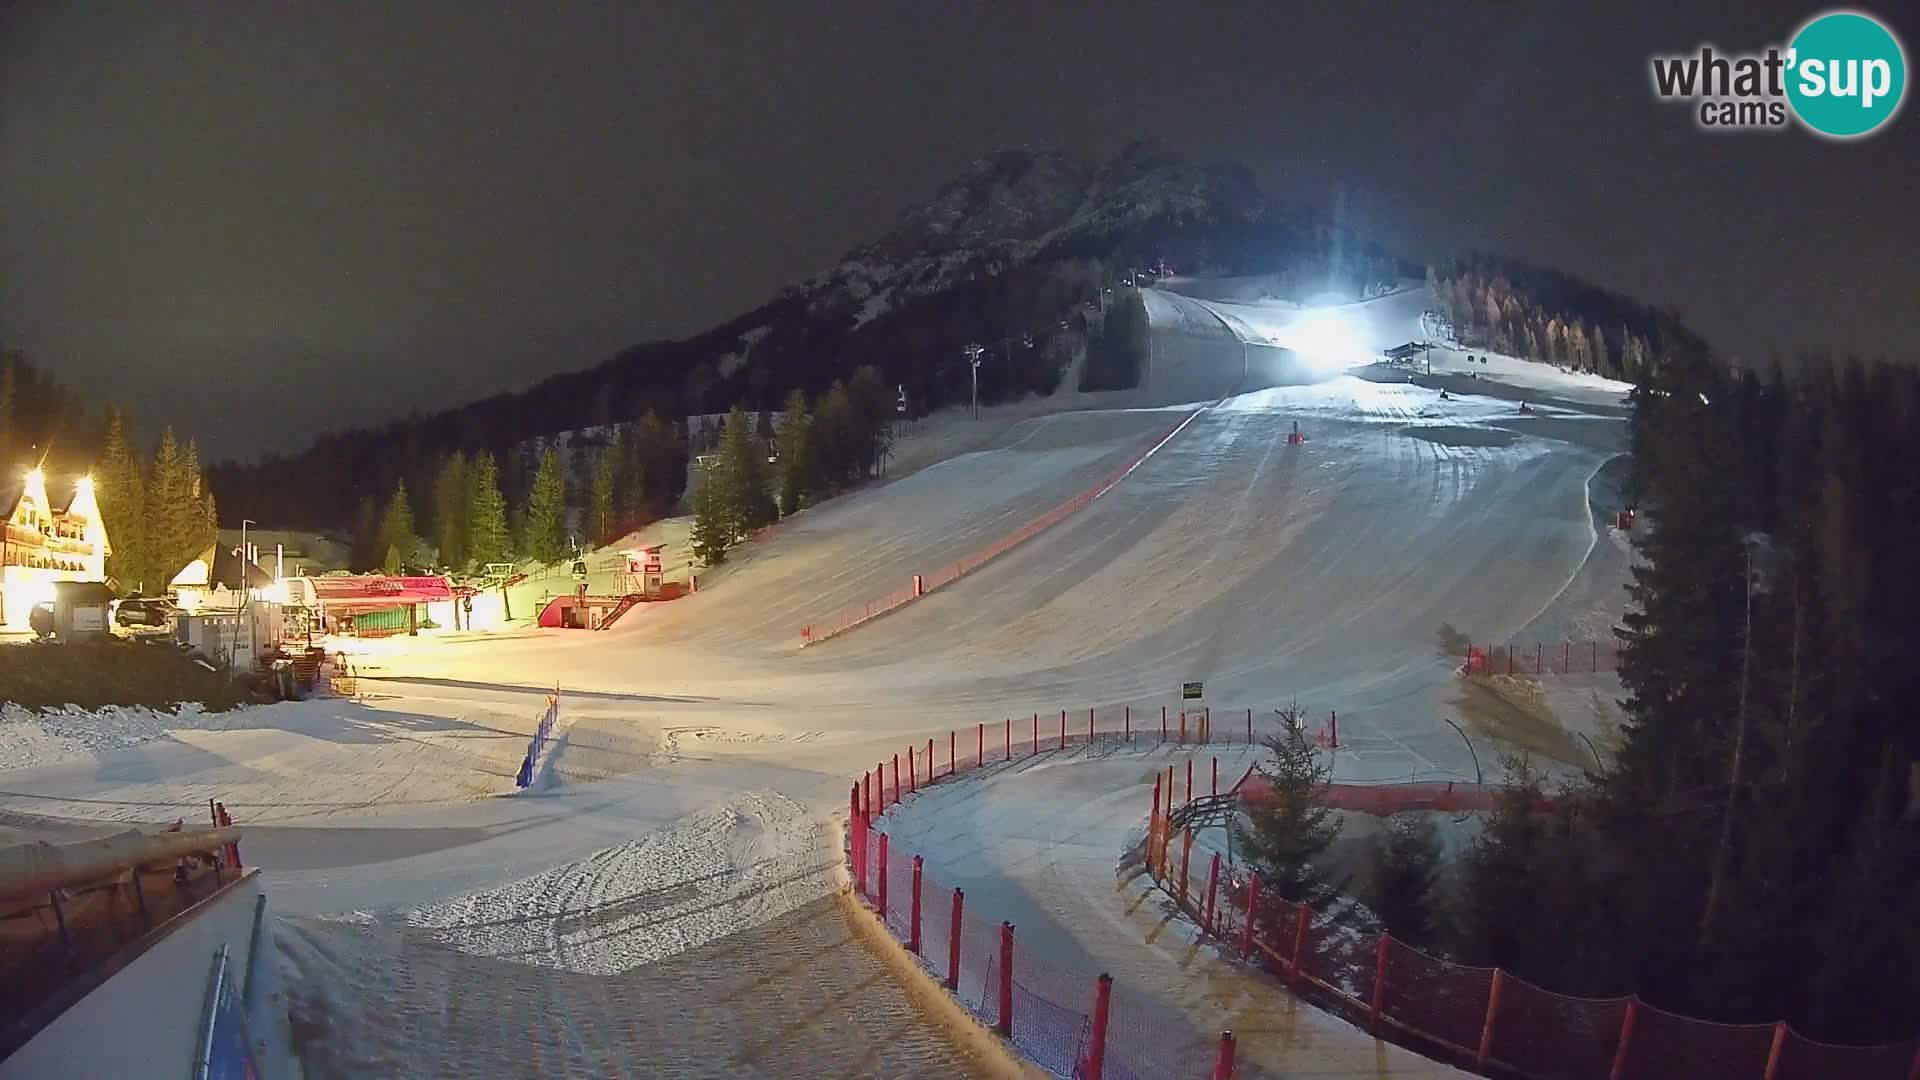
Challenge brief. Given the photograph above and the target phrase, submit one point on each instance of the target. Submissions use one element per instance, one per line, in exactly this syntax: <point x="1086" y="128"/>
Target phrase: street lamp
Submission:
<point x="974" y="352"/>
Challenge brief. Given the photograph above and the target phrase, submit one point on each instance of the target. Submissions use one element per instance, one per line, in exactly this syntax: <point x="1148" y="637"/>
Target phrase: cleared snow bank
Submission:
<point x="30" y="738"/>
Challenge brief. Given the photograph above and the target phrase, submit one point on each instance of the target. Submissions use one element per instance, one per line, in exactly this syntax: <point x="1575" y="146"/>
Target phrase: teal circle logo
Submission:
<point x="1846" y="74"/>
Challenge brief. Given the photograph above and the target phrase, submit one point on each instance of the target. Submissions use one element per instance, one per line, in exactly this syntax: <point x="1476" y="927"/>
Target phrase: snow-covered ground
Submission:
<point x="700" y="749"/>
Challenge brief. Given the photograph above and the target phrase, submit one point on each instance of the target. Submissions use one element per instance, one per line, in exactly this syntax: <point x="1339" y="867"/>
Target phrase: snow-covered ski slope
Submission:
<point x="1333" y="571"/>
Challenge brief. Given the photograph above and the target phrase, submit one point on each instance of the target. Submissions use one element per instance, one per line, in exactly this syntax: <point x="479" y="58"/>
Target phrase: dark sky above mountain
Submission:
<point x="257" y="221"/>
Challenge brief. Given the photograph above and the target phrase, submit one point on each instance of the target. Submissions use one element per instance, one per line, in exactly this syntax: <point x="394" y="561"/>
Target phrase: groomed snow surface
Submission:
<point x="660" y="904"/>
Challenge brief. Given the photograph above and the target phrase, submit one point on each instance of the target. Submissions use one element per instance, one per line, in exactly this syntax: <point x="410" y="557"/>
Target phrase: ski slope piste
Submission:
<point x="660" y="898"/>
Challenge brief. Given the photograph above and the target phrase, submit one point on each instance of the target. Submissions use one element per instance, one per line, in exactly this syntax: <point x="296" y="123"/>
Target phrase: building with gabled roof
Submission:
<point x="41" y="543"/>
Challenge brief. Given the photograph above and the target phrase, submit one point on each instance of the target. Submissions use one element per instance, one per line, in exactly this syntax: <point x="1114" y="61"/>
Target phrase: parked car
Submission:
<point x="146" y="615"/>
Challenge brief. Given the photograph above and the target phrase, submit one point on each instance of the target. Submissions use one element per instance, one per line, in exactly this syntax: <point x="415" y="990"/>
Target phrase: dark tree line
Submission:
<point x="1550" y="317"/>
<point x="1753" y="853"/>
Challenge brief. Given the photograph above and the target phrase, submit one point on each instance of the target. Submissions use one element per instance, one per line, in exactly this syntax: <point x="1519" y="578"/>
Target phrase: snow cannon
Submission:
<point x="1294" y="438"/>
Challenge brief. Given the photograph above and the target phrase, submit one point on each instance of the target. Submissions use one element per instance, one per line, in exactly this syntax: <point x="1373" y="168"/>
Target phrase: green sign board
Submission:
<point x="1189" y="691"/>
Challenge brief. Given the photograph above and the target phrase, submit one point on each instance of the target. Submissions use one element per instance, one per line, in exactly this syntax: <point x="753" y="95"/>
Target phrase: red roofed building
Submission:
<point x="373" y="605"/>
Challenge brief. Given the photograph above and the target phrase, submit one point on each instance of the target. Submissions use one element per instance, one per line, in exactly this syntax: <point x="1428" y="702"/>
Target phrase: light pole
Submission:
<point x="974" y="352"/>
<point x="244" y="559"/>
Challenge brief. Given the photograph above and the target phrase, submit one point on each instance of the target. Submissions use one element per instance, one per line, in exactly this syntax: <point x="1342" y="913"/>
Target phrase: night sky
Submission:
<point x="257" y="221"/>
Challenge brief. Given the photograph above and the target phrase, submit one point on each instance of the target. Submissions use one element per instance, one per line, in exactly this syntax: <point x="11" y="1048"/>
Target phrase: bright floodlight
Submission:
<point x="1326" y="341"/>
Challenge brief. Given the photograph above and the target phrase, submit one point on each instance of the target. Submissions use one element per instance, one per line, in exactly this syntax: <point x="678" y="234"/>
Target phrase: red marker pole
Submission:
<point x="1063" y="729"/>
<point x="1035" y="748"/>
<point x="1223" y="1058"/>
<point x="929" y="762"/>
<point x="1127" y="722"/>
<point x="1189" y="781"/>
<point x="1009" y="738"/>
<point x="1216" y="776"/>
<point x="896" y="778"/>
<point x="953" y="760"/>
<point x="1163" y="723"/>
<point x="1249" y="727"/>
<point x="1097" y="1042"/>
<point x="1089" y="727"/>
<point x="980" y="750"/>
<point x="1005" y="1026"/>
<point x="953" y="943"/>
<point x="883" y="877"/>
<point x="913" y="933"/>
<point x="912" y="785"/>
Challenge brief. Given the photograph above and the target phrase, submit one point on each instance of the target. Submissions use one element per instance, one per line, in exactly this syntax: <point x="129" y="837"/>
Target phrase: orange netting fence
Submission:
<point x="1482" y="1018"/>
<point x="1541" y="658"/>
<point x="847" y="618"/>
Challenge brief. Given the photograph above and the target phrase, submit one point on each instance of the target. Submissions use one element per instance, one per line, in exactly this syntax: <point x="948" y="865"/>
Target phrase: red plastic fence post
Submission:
<point x="1183" y="726"/>
<point x="1333" y="727"/>
<point x="1303" y="914"/>
<point x="1009" y="738"/>
<point x="1186" y="859"/>
<point x="980" y="747"/>
<point x="1169" y="789"/>
<point x="858" y="837"/>
<point x="879" y="785"/>
<point x="1206" y="723"/>
<point x="1379" y="980"/>
<point x="1249" y="727"/>
<point x="1189" y="780"/>
<point x="1223" y="1058"/>
<point x="1163" y="723"/>
<point x="1493" y="1010"/>
<point x="853" y="804"/>
<point x="1063" y="729"/>
<point x="913" y="933"/>
<point x="953" y="755"/>
<point x="896" y="778"/>
<point x="953" y="942"/>
<point x="1005" y="1026"/>
<point x="1773" y="1052"/>
<point x="1097" y="1041"/>
<point x="912" y="783"/>
<point x="1213" y="888"/>
<point x="1089" y="727"/>
<point x="929" y="762"/>
<point x="1619" y="1070"/>
<point x="1253" y="907"/>
<point x="1035" y="748"/>
<point x="1126" y="723"/>
<point x="882" y="867"/>
<point x="1216" y="777"/>
<point x="1156" y="796"/>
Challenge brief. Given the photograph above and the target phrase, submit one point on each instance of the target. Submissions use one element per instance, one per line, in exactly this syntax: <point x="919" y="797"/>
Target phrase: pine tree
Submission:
<point x="743" y="475"/>
<point x="488" y="540"/>
<point x="1406" y="873"/>
<point x="712" y="521"/>
<point x="452" y="510"/>
<point x="796" y="476"/>
<point x="175" y="513"/>
<point x="546" y="514"/>
<point x="835" y="440"/>
<point x="121" y="491"/>
<point x="397" y="536"/>
<point x="1285" y="839"/>
<point x="606" y="483"/>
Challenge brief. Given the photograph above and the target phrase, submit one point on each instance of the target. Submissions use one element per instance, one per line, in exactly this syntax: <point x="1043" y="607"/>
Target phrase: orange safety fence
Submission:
<point x="1483" y="1018"/>
<point x="847" y="618"/>
<point x="1541" y="658"/>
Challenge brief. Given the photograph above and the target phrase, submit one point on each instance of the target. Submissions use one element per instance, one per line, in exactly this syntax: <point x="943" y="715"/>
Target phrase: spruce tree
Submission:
<point x="796" y="477"/>
<point x="121" y="491"/>
<point x="1406" y="873"/>
<point x="603" y="511"/>
<point x="546" y="514"/>
<point x="397" y="534"/>
<point x="488" y="540"/>
<point x="452" y="511"/>
<point x="176" y="516"/>
<point x="1285" y="838"/>
<point x="743" y="476"/>
<point x="712" y="517"/>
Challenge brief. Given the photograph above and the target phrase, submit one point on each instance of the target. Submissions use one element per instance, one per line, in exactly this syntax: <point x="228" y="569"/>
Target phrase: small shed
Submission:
<point x="80" y="610"/>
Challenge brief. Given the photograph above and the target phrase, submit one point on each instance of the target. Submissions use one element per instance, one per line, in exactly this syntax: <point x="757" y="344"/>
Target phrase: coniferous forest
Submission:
<point x="1752" y="853"/>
